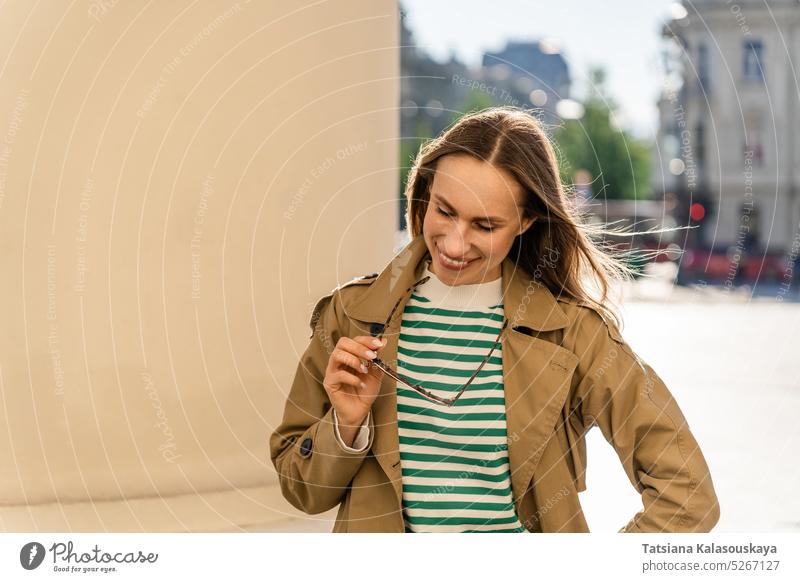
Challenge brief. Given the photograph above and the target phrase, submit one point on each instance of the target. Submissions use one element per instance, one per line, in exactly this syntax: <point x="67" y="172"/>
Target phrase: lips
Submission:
<point x="453" y="264"/>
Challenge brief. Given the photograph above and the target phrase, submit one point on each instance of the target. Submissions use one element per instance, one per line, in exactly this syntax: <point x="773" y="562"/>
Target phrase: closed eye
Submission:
<point x="480" y="226"/>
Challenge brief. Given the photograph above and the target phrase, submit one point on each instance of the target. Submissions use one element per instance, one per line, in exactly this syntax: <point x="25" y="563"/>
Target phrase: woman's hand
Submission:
<point x="351" y="386"/>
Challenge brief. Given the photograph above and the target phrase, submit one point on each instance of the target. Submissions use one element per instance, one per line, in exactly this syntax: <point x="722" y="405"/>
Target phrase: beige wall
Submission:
<point x="179" y="182"/>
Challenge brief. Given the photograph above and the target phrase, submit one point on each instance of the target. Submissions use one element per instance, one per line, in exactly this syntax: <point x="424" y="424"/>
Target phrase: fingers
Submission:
<point x="373" y="345"/>
<point x="352" y="353"/>
<point x="362" y="346"/>
<point x="370" y="342"/>
<point x="347" y="359"/>
<point x="344" y="377"/>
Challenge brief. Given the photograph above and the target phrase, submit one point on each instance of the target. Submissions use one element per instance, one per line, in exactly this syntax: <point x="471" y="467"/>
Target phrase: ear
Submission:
<point x="526" y="224"/>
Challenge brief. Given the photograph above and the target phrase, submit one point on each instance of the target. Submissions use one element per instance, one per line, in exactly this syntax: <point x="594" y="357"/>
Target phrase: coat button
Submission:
<point x="305" y="447"/>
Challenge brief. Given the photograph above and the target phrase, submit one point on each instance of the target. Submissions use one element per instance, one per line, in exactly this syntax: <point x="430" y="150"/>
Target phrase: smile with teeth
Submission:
<point x="447" y="260"/>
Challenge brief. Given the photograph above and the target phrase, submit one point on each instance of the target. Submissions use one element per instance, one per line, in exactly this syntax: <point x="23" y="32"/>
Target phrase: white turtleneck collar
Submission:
<point x="475" y="296"/>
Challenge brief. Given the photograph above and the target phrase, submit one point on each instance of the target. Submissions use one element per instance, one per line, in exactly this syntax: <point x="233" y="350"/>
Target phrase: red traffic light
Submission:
<point x="697" y="211"/>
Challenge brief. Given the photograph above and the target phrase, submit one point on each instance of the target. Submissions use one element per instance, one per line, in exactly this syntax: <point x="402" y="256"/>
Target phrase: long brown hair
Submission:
<point x="558" y="248"/>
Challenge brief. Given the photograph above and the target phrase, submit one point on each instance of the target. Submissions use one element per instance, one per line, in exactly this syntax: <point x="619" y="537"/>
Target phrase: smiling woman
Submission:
<point x="473" y="217"/>
<point x="474" y="193"/>
<point x="468" y="411"/>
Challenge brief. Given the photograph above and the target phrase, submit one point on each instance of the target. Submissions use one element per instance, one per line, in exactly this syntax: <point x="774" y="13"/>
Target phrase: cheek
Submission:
<point x="434" y="222"/>
<point x="497" y="244"/>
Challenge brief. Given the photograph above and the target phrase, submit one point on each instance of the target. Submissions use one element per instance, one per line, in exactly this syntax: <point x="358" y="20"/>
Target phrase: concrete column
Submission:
<point x="179" y="182"/>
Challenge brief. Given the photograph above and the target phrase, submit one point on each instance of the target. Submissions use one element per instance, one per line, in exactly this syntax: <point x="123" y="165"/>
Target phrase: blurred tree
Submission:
<point x="474" y="101"/>
<point x="618" y="163"/>
<point x="409" y="147"/>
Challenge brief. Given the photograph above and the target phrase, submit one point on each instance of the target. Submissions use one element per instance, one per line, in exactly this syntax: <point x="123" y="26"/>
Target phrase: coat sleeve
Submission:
<point x="361" y="440"/>
<point x="639" y="417"/>
<point x="313" y="468"/>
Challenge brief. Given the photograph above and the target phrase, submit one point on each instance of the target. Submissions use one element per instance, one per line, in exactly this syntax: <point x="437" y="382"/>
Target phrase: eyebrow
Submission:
<point x="493" y="219"/>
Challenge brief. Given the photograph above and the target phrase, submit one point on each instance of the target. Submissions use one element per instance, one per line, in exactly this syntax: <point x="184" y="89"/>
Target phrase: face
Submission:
<point x="475" y="212"/>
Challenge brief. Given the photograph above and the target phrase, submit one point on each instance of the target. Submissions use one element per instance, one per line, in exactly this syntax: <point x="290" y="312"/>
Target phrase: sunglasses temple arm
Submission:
<point x="446" y="401"/>
<point x="489" y="355"/>
<point x="483" y="363"/>
<point x="378" y="363"/>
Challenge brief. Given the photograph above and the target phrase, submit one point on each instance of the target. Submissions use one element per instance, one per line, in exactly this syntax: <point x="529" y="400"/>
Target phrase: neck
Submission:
<point x="495" y="274"/>
<point x="484" y="294"/>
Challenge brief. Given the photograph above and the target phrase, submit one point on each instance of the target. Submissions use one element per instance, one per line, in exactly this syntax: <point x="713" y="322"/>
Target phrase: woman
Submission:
<point x="452" y="391"/>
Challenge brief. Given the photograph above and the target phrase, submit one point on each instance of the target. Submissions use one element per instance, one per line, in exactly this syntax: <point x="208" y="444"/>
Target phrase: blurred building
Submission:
<point x="536" y="72"/>
<point x="730" y="149"/>
<point x="430" y="92"/>
<point x="531" y="75"/>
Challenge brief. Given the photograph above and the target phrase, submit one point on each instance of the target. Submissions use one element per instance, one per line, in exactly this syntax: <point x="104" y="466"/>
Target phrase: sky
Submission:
<point x="624" y="36"/>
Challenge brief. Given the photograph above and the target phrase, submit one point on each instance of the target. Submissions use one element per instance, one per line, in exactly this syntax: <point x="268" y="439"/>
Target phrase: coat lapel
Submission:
<point x="536" y="372"/>
<point x="373" y="307"/>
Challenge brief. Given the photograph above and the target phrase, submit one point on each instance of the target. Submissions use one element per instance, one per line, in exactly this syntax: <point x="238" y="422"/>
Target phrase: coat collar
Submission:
<point x="526" y="301"/>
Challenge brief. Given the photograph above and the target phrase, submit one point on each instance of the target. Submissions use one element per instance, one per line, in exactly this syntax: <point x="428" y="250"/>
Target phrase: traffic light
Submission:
<point x="697" y="212"/>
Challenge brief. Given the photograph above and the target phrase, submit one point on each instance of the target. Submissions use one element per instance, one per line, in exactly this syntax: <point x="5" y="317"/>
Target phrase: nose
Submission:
<point x="456" y="242"/>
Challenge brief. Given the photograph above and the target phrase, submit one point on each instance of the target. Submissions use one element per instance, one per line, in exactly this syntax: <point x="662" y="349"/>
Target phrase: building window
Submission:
<point x="753" y="61"/>
<point x="703" y="67"/>
<point x="753" y="143"/>
<point x="699" y="146"/>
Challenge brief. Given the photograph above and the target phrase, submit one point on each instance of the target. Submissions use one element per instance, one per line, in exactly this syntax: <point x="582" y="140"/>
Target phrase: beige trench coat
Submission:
<point x="565" y="370"/>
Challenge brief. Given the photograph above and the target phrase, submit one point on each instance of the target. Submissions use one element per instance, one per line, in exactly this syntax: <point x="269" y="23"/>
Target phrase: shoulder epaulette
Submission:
<point x="611" y="326"/>
<point x="362" y="280"/>
<point x="323" y="301"/>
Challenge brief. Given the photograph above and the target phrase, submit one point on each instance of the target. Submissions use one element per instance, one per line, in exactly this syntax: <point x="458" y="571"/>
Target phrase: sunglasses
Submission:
<point x="413" y="385"/>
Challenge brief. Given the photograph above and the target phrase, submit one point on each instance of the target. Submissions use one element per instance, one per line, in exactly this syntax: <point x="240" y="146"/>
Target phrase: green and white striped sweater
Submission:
<point x="454" y="461"/>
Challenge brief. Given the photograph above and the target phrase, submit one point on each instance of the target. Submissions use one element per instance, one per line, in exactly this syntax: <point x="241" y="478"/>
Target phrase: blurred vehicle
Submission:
<point x="733" y="267"/>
